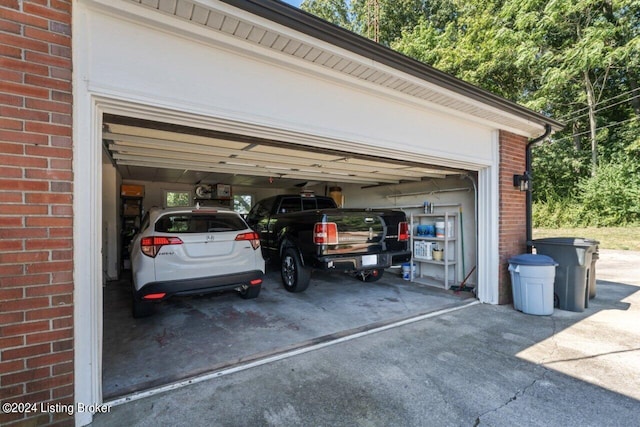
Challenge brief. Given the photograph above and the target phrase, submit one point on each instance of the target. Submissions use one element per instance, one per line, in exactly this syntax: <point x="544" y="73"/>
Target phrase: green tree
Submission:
<point x="612" y="196"/>
<point x="587" y="52"/>
<point x="334" y="11"/>
<point x="390" y="17"/>
<point x="474" y="43"/>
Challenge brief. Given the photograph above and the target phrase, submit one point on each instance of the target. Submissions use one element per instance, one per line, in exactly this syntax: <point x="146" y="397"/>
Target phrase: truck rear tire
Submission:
<point x="370" y="275"/>
<point x="295" y="276"/>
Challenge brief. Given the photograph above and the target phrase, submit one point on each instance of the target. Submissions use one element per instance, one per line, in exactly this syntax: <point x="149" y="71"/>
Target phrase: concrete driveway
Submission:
<point x="476" y="365"/>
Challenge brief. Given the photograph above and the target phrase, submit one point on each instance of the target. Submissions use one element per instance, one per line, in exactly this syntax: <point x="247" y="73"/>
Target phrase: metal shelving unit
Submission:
<point x="130" y="217"/>
<point x="423" y="245"/>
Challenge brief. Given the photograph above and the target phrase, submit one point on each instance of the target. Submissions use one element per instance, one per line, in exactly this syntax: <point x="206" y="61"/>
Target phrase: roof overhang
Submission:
<point x="277" y="32"/>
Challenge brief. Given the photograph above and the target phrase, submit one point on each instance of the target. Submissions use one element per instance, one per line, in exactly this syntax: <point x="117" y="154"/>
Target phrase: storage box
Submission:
<point x="127" y="190"/>
<point x="131" y="209"/>
<point x="223" y="190"/>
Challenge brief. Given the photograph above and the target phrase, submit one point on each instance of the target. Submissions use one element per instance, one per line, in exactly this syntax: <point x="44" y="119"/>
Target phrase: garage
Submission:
<point x="243" y="99"/>
<point x="146" y="162"/>
<point x="224" y="101"/>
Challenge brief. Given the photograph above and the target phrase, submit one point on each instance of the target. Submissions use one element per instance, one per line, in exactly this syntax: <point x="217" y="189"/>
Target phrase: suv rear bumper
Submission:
<point x="201" y="285"/>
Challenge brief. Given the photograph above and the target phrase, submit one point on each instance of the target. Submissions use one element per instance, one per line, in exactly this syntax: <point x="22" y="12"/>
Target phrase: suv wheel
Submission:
<point x="140" y="308"/>
<point x="295" y="277"/>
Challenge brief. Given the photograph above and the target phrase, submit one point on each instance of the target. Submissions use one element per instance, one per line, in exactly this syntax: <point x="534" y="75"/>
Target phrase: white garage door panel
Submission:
<point x="144" y="64"/>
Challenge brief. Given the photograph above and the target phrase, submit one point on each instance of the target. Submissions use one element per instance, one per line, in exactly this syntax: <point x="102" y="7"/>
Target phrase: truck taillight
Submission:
<point x="150" y="246"/>
<point x="253" y="237"/>
<point x="325" y="233"/>
<point x="403" y="231"/>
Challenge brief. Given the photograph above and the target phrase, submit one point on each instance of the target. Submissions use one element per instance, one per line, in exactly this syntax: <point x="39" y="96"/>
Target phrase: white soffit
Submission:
<point x="281" y="42"/>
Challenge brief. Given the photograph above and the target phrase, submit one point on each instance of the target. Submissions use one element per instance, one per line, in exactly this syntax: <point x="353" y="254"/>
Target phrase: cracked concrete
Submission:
<point x="483" y="365"/>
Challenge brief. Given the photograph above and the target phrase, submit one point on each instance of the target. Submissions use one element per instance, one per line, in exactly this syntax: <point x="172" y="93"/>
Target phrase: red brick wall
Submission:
<point x="513" y="231"/>
<point x="36" y="217"/>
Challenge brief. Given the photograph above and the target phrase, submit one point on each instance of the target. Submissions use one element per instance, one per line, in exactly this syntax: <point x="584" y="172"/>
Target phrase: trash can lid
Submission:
<point x="566" y="241"/>
<point x="532" y="259"/>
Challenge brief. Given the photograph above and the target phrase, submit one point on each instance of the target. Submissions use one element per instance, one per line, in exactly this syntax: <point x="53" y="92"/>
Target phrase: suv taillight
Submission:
<point x="150" y="246"/>
<point x="403" y="231"/>
<point x="253" y="237"/>
<point x="325" y="233"/>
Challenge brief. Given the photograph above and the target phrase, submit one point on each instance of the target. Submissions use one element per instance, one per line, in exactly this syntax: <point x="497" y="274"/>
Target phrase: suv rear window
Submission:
<point x="199" y="223"/>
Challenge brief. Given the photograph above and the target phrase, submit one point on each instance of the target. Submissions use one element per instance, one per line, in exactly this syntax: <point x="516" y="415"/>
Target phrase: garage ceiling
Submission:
<point x="152" y="151"/>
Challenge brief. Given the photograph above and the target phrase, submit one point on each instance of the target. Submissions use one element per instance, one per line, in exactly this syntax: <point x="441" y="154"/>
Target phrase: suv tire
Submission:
<point x="140" y="308"/>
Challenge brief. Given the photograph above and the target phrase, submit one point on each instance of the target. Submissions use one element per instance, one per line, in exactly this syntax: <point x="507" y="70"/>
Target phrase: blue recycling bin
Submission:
<point x="532" y="278"/>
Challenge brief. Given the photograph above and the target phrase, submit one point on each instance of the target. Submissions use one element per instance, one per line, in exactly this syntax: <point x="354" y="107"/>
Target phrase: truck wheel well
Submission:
<point x="286" y="244"/>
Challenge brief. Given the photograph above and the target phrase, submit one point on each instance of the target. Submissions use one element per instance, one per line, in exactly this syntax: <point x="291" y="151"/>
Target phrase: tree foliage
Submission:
<point x="611" y="196"/>
<point x="334" y="11"/>
<point x="575" y="60"/>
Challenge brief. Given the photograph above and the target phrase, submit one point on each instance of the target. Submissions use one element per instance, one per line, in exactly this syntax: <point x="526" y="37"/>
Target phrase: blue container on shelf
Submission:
<point x="430" y="230"/>
<point x="427" y="230"/>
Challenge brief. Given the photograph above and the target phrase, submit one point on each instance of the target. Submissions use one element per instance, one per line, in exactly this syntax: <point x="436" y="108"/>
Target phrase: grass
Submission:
<point x="626" y="238"/>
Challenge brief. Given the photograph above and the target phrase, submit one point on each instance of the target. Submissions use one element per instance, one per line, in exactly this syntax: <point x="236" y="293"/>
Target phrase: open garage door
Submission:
<point x="140" y="148"/>
<point x="203" y="334"/>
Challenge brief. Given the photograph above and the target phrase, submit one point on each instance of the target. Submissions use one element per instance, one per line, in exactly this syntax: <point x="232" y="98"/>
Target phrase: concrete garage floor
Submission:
<point x="189" y="336"/>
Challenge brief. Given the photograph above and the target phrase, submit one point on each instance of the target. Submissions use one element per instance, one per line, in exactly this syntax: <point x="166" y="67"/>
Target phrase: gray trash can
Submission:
<point x="532" y="278"/>
<point x="592" y="273"/>
<point x="574" y="257"/>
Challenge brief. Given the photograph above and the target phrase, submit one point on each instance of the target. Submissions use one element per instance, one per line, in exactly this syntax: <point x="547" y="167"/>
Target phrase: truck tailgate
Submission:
<point x="360" y="231"/>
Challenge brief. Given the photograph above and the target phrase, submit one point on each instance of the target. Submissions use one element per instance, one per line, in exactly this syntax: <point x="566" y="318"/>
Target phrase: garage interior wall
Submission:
<point x="110" y="219"/>
<point x="453" y="194"/>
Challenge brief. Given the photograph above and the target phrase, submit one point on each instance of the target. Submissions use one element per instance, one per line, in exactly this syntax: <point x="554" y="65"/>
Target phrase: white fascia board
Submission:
<point x="178" y="26"/>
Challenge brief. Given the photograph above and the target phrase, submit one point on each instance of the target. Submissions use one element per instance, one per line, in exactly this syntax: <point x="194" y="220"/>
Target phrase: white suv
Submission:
<point x="189" y="251"/>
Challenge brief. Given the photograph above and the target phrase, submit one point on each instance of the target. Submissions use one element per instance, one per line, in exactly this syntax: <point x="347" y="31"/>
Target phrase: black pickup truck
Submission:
<point x="310" y="232"/>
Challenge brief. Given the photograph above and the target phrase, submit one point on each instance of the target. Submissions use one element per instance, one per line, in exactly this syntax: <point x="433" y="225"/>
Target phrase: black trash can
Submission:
<point x="574" y="258"/>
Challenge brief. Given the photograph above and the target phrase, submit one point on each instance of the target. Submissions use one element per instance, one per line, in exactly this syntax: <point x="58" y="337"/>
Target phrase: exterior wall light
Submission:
<point x="523" y="182"/>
